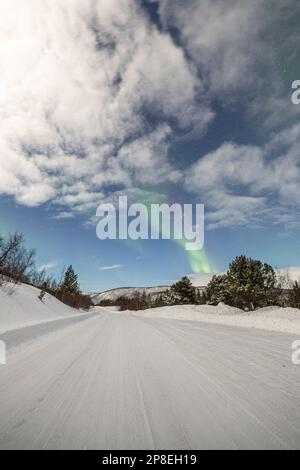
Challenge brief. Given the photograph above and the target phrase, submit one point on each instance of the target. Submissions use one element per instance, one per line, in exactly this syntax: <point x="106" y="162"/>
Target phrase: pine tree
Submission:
<point x="200" y="298"/>
<point x="70" y="282"/>
<point x="184" y="290"/>
<point x="250" y="282"/>
<point x="170" y="297"/>
<point x="42" y="293"/>
<point x="217" y="290"/>
<point x="294" y="295"/>
<point x="158" y="301"/>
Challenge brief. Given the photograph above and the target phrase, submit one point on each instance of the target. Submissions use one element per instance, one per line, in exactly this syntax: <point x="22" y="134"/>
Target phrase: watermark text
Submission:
<point x="296" y="94"/>
<point x="159" y="221"/>
<point x="296" y="353"/>
<point x="2" y="353"/>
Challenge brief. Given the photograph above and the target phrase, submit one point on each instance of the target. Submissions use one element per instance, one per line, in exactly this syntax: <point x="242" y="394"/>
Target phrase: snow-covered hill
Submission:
<point x="198" y="280"/>
<point x="129" y="292"/>
<point x="291" y="273"/>
<point x="201" y="280"/>
<point x="20" y="306"/>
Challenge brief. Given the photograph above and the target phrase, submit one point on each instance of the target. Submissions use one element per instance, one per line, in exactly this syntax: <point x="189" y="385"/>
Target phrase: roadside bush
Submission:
<point x="42" y="294"/>
<point x="248" y="284"/>
<point x="106" y="303"/>
<point x="17" y="265"/>
<point x="15" y="260"/>
<point x="76" y="300"/>
<point x="68" y="291"/>
<point x="294" y="296"/>
<point x="136" y="302"/>
<point x="217" y="290"/>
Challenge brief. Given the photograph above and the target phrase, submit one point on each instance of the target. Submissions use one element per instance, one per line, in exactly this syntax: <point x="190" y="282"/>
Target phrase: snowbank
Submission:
<point x="283" y="320"/>
<point x="21" y="307"/>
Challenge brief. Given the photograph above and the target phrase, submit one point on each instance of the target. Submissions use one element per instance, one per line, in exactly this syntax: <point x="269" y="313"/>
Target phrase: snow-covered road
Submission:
<point x="124" y="382"/>
<point x="16" y="337"/>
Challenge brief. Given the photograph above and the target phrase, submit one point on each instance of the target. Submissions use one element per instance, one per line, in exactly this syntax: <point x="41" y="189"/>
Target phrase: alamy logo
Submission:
<point x="296" y="353"/>
<point x="296" y="94"/>
<point x="160" y="221"/>
<point x="2" y="353"/>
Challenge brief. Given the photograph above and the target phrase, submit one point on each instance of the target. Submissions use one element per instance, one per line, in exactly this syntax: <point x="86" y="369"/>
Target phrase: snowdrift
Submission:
<point x="282" y="320"/>
<point x="20" y="306"/>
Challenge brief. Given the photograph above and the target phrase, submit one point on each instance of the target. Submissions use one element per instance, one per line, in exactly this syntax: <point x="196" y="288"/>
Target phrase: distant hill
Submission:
<point x="114" y="294"/>
<point x="155" y="291"/>
<point x="199" y="281"/>
<point x="290" y="274"/>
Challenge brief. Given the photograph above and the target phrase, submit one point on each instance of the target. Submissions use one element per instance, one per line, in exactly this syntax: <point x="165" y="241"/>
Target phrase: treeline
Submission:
<point x="248" y="284"/>
<point x="182" y="292"/>
<point x="17" y="264"/>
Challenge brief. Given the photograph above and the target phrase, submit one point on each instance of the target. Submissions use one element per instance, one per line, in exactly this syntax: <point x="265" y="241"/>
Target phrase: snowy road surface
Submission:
<point x="14" y="338"/>
<point x="123" y="382"/>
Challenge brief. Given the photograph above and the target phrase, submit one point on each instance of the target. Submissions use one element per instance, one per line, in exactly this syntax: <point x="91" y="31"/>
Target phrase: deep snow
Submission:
<point x="128" y="382"/>
<point x="20" y="307"/>
<point x="123" y="380"/>
<point x="283" y="320"/>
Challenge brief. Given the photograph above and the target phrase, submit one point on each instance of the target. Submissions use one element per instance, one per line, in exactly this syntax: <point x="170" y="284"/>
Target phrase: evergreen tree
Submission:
<point x="217" y="290"/>
<point x="144" y="301"/>
<point x="158" y="302"/>
<point x="184" y="290"/>
<point x="249" y="282"/>
<point x="42" y="292"/>
<point x="294" y="295"/>
<point x="70" y="282"/>
<point x="200" y="297"/>
<point x="170" y="297"/>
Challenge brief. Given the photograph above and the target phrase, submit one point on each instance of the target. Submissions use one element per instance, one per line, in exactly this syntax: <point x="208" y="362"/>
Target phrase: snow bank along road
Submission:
<point x="124" y="382"/>
<point x="14" y="338"/>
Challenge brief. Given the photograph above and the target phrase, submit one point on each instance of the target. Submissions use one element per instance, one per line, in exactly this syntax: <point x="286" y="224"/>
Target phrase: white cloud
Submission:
<point x="249" y="185"/>
<point x="237" y="52"/>
<point x="63" y="215"/>
<point x="92" y="94"/>
<point x="113" y="266"/>
<point x="77" y="81"/>
<point x="47" y="266"/>
<point x="221" y="36"/>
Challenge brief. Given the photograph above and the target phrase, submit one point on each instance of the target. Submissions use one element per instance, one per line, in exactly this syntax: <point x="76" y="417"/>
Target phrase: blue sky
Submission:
<point x="163" y="102"/>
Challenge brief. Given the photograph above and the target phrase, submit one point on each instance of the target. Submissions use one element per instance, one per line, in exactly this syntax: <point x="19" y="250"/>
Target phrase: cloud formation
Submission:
<point x="47" y="266"/>
<point x="113" y="266"/>
<point x="221" y="37"/>
<point x="243" y="50"/>
<point x="246" y="185"/>
<point x="94" y="93"/>
<point x="78" y="83"/>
